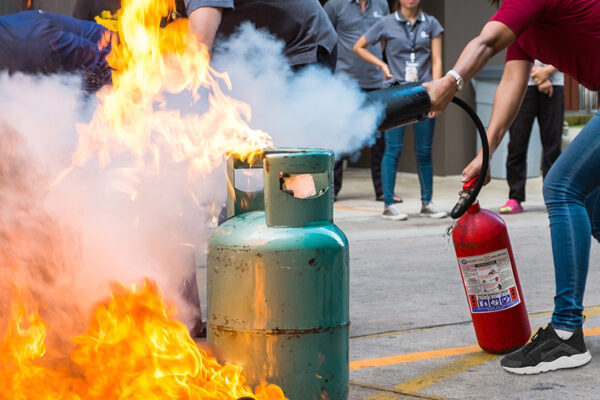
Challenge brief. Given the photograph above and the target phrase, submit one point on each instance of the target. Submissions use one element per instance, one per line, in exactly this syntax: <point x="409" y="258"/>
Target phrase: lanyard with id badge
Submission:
<point x="411" y="71"/>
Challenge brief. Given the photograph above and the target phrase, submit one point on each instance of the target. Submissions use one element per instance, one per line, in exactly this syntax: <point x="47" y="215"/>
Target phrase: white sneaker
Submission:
<point x="394" y="213"/>
<point x="431" y="211"/>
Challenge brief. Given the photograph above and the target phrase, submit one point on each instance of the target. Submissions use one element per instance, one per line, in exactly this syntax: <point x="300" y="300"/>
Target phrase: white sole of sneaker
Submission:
<point x="395" y="217"/>
<point x="435" y="216"/>
<point x="574" y="361"/>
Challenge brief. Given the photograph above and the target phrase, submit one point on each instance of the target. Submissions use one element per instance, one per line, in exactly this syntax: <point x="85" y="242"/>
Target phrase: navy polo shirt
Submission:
<point x="43" y="42"/>
<point x="350" y="23"/>
<point x="398" y="42"/>
<point x="301" y="24"/>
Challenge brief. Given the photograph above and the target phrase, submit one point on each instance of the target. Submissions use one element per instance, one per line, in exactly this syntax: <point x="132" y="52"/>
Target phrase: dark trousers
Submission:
<point x="377" y="150"/>
<point x="550" y="114"/>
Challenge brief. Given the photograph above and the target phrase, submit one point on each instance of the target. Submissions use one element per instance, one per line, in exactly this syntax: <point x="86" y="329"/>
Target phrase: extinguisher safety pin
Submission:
<point x="449" y="234"/>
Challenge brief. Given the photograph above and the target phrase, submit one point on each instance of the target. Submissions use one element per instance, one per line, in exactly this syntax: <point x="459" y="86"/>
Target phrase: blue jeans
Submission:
<point x="572" y="196"/>
<point x="393" y="149"/>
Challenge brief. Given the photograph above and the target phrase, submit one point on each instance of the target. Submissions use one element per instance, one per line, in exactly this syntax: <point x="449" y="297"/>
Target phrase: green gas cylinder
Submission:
<point x="278" y="283"/>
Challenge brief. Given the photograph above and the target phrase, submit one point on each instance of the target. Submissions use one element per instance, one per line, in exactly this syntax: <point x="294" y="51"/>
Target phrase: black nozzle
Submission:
<point x="465" y="200"/>
<point x="404" y="104"/>
<point x="246" y="398"/>
<point x="408" y="103"/>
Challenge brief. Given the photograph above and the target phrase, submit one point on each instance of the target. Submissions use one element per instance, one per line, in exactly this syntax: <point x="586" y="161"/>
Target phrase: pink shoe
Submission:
<point x="511" y="207"/>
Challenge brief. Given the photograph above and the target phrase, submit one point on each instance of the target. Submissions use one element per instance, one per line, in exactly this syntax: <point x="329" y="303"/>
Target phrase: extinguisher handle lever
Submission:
<point x="470" y="185"/>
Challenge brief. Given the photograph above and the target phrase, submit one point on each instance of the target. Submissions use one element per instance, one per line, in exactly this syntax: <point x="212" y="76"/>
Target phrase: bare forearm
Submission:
<point x="507" y="101"/>
<point x="365" y="54"/>
<point x="494" y="37"/>
<point x="436" y="69"/>
<point x="204" y="22"/>
<point x="504" y="113"/>
<point x="436" y="57"/>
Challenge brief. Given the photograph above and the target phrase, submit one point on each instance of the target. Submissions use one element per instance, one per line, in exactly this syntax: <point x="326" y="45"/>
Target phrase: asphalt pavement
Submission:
<point x="411" y="331"/>
<point x="411" y="335"/>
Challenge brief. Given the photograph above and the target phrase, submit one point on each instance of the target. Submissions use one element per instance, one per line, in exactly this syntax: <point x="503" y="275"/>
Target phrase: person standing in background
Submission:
<point x="351" y="19"/>
<point x="545" y="100"/>
<point x="413" y="49"/>
<point x="303" y="26"/>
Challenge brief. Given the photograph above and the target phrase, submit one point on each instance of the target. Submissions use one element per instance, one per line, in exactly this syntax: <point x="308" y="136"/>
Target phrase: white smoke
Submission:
<point x="311" y="108"/>
<point x="67" y="240"/>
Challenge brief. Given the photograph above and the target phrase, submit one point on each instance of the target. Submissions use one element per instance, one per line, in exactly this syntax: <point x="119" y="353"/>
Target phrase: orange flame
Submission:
<point x="133" y="115"/>
<point x="133" y="349"/>
<point x="105" y="40"/>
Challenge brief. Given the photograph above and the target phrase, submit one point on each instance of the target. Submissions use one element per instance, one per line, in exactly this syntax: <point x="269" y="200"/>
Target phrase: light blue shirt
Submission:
<point x="350" y="24"/>
<point x="399" y="35"/>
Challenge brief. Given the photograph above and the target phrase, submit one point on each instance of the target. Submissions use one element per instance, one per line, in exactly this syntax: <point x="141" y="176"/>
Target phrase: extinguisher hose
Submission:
<point x="468" y="197"/>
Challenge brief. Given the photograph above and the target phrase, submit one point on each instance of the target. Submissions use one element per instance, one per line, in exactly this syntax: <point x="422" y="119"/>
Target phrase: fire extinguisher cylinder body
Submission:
<point x="491" y="282"/>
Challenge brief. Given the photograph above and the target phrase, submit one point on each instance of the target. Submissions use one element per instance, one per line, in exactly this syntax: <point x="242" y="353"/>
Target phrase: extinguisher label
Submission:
<point x="489" y="281"/>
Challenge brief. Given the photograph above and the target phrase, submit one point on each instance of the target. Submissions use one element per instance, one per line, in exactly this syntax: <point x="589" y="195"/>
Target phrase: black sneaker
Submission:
<point x="548" y="352"/>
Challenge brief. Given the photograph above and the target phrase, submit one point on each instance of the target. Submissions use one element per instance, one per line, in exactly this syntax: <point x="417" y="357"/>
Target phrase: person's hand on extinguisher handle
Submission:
<point x="474" y="168"/>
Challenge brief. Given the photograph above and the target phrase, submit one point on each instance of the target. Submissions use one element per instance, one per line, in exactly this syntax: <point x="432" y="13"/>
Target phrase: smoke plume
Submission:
<point x="310" y="108"/>
<point x="64" y="240"/>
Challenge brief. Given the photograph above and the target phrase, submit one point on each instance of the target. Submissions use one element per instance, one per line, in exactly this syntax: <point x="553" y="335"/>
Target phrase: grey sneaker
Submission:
<point x="394" y="213"/>
<point x="431" y="211"/>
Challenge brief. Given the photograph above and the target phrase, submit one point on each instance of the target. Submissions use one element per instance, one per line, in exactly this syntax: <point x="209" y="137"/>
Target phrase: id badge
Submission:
<point x="411" y="74"/>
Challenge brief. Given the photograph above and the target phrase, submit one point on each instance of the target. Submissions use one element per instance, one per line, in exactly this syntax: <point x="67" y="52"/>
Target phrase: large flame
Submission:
<point x="150" y="61"/>
<point x="133" y="349"/>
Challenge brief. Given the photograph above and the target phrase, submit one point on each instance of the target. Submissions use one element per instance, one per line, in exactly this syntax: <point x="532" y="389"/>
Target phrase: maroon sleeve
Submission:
<point x="515" y="52"/>
<point x="518" y="15"/>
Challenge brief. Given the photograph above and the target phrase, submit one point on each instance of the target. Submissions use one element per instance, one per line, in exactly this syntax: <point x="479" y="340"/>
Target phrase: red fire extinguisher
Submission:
<point x="490" y="279"/>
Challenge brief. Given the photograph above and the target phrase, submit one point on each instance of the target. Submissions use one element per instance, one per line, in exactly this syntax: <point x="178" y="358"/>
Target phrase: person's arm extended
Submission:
<point x="204" y="22"/>
<point x="436" y="64"/>
<point x="360" y="48"/>
<point x="494" y="37"/>
<point x="436" y="57"/>
<point x="507" y="101"/>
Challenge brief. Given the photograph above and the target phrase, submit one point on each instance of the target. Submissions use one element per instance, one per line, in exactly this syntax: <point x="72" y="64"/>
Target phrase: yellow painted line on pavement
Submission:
<point x="451" y="351"/>
<point x="428" y="355"/>
<point x="391" y="394"/>
<point x="474" y="358"/>
<point x="444" y="372"/>
<point x="410" y="357"/>
<point x="591" y="332"/>
<point x="413" y="386"/>
<point x="589" y="312"/>
<point x="366" y="210"/>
